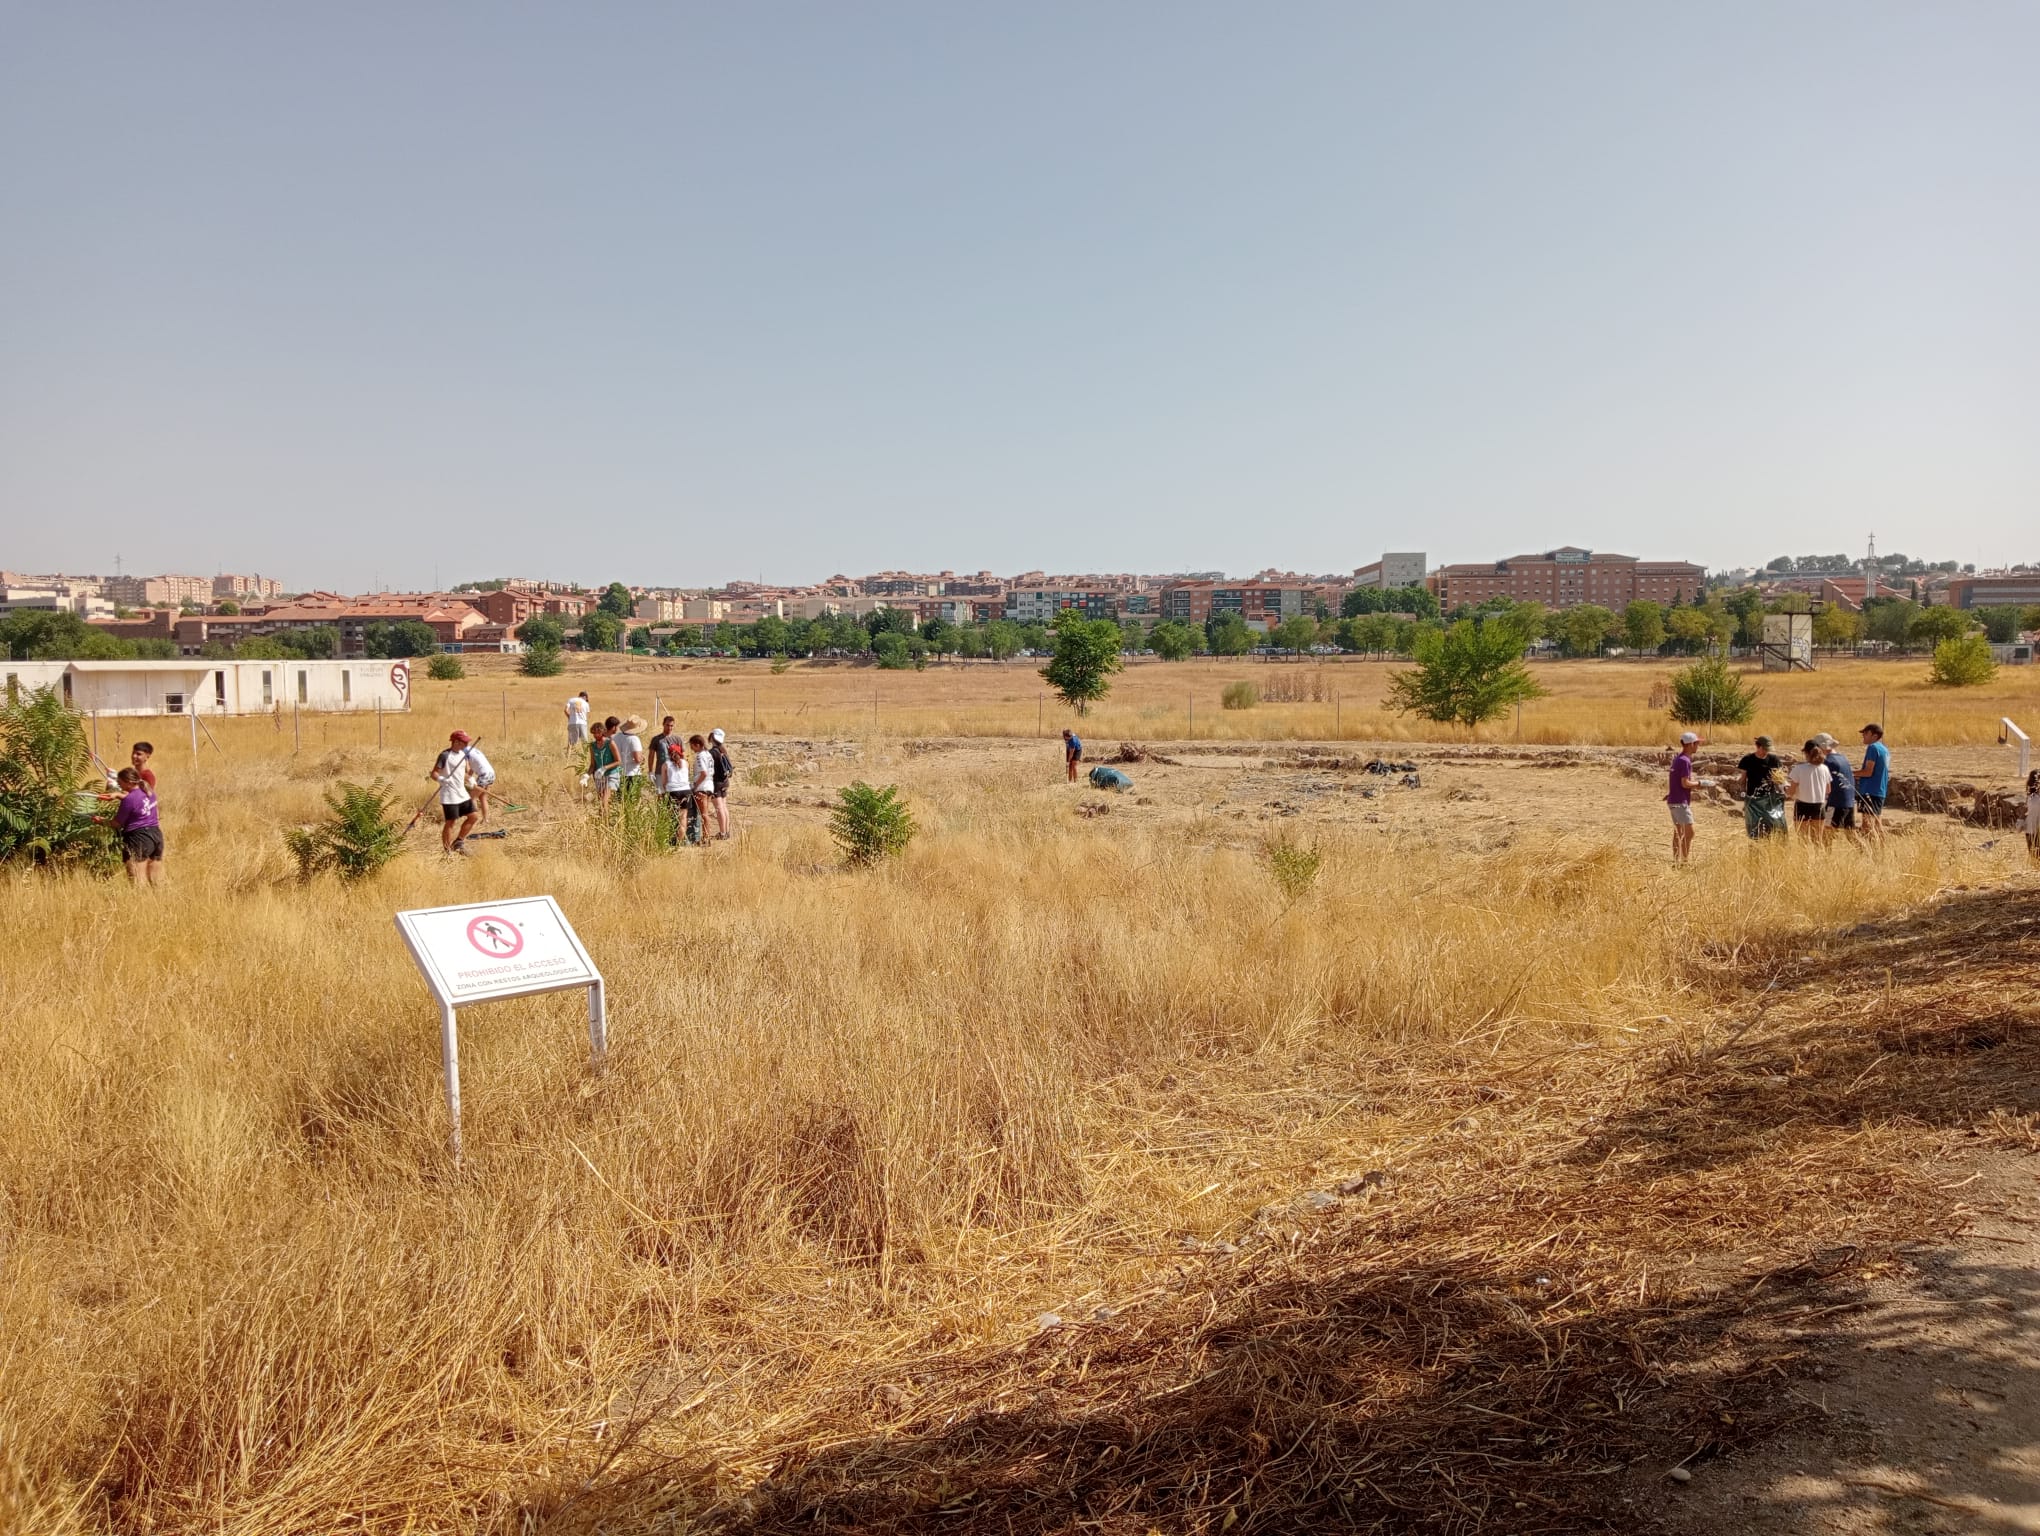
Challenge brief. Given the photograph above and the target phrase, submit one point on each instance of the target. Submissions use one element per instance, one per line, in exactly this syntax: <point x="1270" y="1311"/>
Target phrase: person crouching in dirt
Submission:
<point x="456" y="797"/>
<point x="141" y="834"/>
<point x="1073" y="752"/>
<point x="481" y="778"/>
<point x="1764" y="783"/>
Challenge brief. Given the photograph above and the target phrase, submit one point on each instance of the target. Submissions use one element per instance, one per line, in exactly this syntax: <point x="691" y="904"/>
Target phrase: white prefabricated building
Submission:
<point x="196" y="686"/>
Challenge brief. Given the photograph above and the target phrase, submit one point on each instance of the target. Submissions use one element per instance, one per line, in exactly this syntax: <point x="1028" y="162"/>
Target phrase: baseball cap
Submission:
<point x="716" y="734"/>
<point x="1687" y="739"/>
<point x="1826" y="740"/>
<point x="462" y="737"/>
<point x="1872" y="726"/>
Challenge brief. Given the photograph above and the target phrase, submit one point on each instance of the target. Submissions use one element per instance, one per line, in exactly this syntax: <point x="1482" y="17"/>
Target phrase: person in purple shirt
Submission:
<point x="141" y="834"/>
<point x="1679" y="796"/>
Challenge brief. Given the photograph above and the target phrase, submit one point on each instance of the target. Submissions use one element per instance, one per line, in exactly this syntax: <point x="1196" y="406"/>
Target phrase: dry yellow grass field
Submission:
<point x="858" y="1127"/>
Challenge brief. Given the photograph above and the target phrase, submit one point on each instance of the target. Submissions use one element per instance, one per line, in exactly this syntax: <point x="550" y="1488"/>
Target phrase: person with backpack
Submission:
<point x="718" y="753"/>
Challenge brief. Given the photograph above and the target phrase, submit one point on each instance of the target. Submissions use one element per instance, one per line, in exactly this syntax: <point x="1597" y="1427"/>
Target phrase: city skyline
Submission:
<point x="401" y="295"/>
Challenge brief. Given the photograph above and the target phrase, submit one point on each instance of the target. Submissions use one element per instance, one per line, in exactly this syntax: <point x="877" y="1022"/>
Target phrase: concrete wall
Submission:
<point x="214" y="687"/>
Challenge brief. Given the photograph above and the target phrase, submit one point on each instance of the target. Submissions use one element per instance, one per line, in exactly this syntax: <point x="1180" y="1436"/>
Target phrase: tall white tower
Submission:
<point x="1870" y="570"/>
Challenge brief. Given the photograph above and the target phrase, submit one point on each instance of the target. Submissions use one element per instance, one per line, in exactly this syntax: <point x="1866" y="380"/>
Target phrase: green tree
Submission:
<point x="1689" y="629"/>
<point x="1889" y="619"/>
<point x="542" y="660"/>
<point x="1086" y="656"/>
<point x="1367" y="633"/>
<point x="1131" y="636"/>
<point x="1466" y="674"/>
<point x="771" y="636"/>
<point x="1295" y="634"/>
<point x="1938" y="624"/>
<point x="445" y="668"/>
<point x="1835" y="625"/>
<point x="615" y="602"/>
<point x="940" y="636"/>
<point x="1584" y="629"/>
<point x="1643" y="626"/>
<point x="406" y="637"/>
<point x="319" y="643"/>
<point x="1746" y="606"/>
<point x="898" y="621"/>
<point x="870" y="824"/>
<point x="2000" y="624"/>
<point x="639" y="639"/>
<point x="892" y="650"/>
<point x="1228" y="635"/>
<point x="1711" y="692"/>
<point x="542" y="629"/>
<point x="601" y="631"/>
<point x="2030" y="618"/>
<point x="226" y="607"/>
<point x="1171" y="641"/>
<point x="363" y="831"/>
<point x="1961" y="662"/>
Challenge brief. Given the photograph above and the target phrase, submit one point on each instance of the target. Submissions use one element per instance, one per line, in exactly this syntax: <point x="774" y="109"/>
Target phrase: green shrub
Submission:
<point x="871" y="824"/>
<point x="364" y="831"/>
<point x="1294" y="867"/>
<point x="1239" y="696"/>
<point x="640" y="822"/>
<point x="46" y="786"/>
<point x="445" y="668"/>
<point x="542" y="661"/>
<point x="1962" y="663"/>
<point x="1711" y="692"/>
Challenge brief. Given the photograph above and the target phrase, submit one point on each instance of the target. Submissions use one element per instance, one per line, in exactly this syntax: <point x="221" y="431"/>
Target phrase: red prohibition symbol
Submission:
<point x="496" y="937"/>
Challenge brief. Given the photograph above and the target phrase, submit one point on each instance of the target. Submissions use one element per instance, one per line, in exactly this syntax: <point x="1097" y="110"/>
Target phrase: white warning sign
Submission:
<point x="495" y="949"/>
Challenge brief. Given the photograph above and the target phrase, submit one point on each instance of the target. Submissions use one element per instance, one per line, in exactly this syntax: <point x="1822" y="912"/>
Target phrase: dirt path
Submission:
<point x="1923" y="1409"/>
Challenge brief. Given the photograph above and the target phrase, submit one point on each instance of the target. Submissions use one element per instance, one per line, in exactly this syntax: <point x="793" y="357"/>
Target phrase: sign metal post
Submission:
<point x="485" y="951"/>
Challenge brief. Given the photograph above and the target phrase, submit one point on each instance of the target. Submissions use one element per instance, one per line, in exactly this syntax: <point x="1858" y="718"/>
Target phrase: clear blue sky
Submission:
<point x="683" y="293"/>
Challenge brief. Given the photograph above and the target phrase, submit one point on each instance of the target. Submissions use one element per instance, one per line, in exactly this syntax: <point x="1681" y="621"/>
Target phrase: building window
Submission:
<point x="346" y="686"/>
<point x="220" y="689"/>
<point x="302" y="678"/>
<point x="173" y="703"/>
<point x="268" y="688"/>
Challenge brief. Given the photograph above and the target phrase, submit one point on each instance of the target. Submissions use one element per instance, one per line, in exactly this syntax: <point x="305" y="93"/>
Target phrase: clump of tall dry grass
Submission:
<point x="852" y="1116"/>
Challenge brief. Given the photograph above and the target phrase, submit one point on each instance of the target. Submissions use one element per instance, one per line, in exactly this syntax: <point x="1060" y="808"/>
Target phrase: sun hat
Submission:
<point x="632" y="724"/>
<point x="716" y="734"/>
<point x="1826" y="740"/>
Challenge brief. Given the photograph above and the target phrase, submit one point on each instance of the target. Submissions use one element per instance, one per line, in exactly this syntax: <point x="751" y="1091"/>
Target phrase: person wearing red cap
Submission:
<point x="456" y="799"/>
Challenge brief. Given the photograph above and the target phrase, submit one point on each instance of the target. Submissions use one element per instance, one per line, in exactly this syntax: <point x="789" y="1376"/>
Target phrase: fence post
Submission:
<point x="378" y="723"/>
<point x="295" y="738"/>
<point x="506" y="714"/>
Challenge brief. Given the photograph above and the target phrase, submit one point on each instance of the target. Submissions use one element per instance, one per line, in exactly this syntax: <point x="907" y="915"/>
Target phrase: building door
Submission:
<point x="302" y="688"/>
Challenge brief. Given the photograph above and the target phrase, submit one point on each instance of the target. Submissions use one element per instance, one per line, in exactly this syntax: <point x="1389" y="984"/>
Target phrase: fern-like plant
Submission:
<point x="364" y="831"/>
<point x="46" y="790"/>
<point x="871" y="824"/>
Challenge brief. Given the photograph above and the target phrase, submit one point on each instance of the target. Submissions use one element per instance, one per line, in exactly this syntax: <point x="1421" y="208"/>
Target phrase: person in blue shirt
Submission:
<point x="1841" y="796"/>
<point x="1873" y="781"/>
<point x="1073" y="752"/>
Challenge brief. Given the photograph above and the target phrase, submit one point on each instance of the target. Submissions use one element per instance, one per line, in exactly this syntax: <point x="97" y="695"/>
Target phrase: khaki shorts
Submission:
<point x="1682" y="815"/>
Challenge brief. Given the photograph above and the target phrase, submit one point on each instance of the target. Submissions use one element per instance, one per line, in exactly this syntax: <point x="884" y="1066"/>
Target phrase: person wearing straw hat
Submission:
<point x="630" y="749"/>
<point x="1679" y="796"/>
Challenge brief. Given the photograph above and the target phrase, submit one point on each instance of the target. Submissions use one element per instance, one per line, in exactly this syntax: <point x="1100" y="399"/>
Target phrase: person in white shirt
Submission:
<point x="481" y="778"/>
<point x="456" y="800"/>
<point x="577" y="719"/>
<point x="1810" y="780"/>
<point x="2033" y="813"/>
<point x="703" y="786"/>
<point x="630" y="749"/>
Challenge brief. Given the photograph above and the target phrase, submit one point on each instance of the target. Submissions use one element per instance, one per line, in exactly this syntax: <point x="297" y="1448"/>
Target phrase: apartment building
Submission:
<point x="1568" y="577"/>
<point x="82" y="598"/>
<point x="1262" y="604"/>
<point x="1040" y="605"/>
<point x="1996" y="589"/>
<point x="155" y="591"/>
<point x="1393" y="570"/>
<point x="238" y="587"/>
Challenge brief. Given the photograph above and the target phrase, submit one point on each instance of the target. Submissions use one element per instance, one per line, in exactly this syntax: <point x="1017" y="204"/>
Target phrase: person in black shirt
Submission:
<point x="1763" y="800"/>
